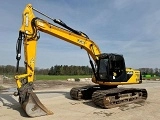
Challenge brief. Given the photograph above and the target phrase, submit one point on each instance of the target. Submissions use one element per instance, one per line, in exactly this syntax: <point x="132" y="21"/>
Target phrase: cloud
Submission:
<point x="127" y="27"/>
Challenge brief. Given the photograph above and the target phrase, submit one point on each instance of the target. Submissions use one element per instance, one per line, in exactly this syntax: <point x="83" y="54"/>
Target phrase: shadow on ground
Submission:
<point x="8" y="101"/>
<point x="74" y="102"/>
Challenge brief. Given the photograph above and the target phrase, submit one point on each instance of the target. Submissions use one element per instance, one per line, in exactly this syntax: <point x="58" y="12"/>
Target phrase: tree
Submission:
<point x="51" y="71"/>
<point x="156" y="72"/>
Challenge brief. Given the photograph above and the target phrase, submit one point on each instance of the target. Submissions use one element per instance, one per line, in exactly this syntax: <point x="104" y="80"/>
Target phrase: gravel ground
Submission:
<point x="55" y="96"/>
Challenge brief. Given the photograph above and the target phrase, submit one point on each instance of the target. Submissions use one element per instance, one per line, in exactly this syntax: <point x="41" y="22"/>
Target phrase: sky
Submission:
<point x="128" y="27"/>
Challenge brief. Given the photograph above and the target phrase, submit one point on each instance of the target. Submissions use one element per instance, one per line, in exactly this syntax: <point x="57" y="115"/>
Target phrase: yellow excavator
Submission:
<point x="109" y="69"/>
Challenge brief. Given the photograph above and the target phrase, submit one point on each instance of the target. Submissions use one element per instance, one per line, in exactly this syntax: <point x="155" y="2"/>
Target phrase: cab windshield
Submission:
<point x="103" y="68"/>
<point x="111" y="68"/>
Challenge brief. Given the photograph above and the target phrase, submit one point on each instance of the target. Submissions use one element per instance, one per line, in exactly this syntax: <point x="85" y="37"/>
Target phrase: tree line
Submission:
<point x="150" y="71"/>
<point x="66" y="70"/>
<point x="54" y="70"/>
<point x="69" y="70"/>
<point x="10" y="70"/>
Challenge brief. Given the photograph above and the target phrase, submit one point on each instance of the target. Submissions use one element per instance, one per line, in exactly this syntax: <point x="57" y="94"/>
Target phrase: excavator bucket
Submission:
<point x="33" y="107"/>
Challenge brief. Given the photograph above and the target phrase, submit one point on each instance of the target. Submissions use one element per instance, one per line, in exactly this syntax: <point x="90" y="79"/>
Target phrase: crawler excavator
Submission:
<point x="109" y="69"/>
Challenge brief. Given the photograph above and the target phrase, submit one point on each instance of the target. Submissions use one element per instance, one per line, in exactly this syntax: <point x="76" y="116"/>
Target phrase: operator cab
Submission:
<point x="111" y="68"/>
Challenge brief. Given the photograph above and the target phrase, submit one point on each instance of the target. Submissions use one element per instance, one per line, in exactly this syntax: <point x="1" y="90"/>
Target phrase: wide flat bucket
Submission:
<point x="33" y="107"/>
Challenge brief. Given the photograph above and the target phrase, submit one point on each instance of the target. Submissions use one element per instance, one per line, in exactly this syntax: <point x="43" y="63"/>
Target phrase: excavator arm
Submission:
<point x="29" y="35"/>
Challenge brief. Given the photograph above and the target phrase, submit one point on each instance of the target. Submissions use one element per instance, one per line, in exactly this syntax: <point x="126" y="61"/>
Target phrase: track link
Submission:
<point x="118" y="96"/>
<point x="85" y="92"/>
<point x="76" y="93"/>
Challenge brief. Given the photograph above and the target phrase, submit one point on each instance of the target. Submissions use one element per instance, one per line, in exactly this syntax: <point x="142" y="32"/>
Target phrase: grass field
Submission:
<point x="65" y="77"/>
<point x="59" y="77"/>
<point x="151" y="78"/>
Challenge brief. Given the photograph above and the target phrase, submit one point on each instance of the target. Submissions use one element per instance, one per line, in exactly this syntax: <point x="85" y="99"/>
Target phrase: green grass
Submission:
<point x="157" y="77"/>
<point x="59" y="77"/>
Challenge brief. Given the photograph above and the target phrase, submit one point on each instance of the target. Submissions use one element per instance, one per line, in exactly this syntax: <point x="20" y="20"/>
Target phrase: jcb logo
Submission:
<point x="81" y="41"/>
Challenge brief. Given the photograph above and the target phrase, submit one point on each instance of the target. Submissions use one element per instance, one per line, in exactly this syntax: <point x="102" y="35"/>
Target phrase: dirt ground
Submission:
<point x="55" y="96"/>
<point x="47" y="84"/>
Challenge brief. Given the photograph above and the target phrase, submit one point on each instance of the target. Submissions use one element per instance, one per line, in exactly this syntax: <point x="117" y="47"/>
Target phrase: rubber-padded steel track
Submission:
<point x="109" y="98"/>
<point x="84" y="92"/>
<point x="118" y="96"/>
<point x="76" y="93"/>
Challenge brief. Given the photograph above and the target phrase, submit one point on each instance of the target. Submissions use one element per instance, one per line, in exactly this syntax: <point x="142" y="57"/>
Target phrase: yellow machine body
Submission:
<point x="28" y="36"/>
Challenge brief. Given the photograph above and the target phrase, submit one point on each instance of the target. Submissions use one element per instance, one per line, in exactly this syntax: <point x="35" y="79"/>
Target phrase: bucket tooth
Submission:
<point x="33" y="107"/>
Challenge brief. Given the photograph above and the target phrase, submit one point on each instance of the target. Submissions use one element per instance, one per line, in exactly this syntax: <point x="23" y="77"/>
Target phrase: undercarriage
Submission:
<point x="109" y="97"/>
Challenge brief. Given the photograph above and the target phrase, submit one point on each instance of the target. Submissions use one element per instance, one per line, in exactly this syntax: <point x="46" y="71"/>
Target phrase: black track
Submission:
<point x="109" y="98"/>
